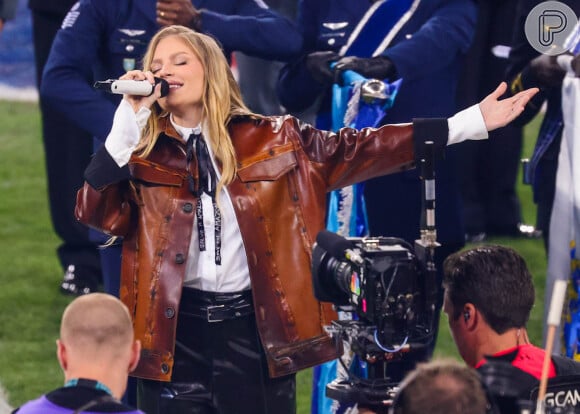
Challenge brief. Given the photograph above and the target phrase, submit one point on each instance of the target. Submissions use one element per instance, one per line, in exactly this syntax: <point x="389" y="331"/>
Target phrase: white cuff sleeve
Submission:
<point x="125" y="132"/>
<point x="467" y="124"/>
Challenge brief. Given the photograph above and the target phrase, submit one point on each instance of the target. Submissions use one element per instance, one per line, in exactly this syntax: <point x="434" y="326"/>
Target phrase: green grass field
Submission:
<point x="30" y="303"/>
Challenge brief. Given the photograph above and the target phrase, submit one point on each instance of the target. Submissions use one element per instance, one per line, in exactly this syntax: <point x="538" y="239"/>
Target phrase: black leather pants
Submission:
<point x="220" y="368"/>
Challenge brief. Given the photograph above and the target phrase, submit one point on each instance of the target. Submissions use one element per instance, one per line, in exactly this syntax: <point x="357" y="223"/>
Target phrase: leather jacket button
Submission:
<point x="169" y="312"/>
<point x="164" y="368"/>
<point x="179" y="258"/>
<point x="187" y="208"/>
<point x="284" y="361"/>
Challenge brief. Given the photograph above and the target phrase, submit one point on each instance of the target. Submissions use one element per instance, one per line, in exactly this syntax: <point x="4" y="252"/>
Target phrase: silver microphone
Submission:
<point x="131" y="87"/>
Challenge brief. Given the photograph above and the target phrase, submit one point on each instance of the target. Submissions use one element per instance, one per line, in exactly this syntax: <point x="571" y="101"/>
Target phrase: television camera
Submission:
<point x="392" y="297"/>
<point x="390" y="291"/>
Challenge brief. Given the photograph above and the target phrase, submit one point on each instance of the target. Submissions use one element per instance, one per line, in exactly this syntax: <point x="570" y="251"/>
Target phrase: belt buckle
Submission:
<point x="211" y="308"/>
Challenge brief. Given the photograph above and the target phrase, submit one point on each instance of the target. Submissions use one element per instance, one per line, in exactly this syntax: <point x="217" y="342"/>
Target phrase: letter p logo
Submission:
<point x="548" y="25"/>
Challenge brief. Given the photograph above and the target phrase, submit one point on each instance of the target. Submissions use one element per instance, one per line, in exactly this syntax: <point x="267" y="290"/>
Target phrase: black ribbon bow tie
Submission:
<point x="207" y="177"/>
<point x="207" y="183"/>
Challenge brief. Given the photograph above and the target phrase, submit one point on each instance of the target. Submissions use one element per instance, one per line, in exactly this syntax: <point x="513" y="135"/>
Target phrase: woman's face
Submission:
<point x="175" y="62"/>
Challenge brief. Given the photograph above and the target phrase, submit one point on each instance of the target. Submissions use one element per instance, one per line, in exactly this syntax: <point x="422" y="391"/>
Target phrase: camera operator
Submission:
<point x="488" y="298"/>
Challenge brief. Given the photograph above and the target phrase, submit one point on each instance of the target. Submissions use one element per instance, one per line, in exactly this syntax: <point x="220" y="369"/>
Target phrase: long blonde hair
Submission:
<point x="221" y="98"/>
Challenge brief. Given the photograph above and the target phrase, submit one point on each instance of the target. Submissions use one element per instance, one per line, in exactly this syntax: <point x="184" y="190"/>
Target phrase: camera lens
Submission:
<point x="330" y="277"/>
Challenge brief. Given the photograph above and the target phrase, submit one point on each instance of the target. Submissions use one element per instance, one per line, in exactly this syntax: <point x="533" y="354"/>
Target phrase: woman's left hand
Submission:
<point x="498" y="113"/>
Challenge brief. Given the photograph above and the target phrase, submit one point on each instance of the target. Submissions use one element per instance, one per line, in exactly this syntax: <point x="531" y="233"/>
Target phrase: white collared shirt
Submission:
<point x="202" y="272"/>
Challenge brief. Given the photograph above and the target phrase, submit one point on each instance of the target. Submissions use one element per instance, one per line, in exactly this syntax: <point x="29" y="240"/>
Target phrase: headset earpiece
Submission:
<point x="466" y="316"/>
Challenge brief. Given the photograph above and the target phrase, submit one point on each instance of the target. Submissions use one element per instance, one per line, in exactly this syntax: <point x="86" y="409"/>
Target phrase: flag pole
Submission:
<point x="554" y="317"/>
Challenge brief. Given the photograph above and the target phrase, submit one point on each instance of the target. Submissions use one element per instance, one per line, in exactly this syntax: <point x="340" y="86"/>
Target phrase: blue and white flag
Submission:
<point x="563" y="256"/>
<point x="360" y="103"/>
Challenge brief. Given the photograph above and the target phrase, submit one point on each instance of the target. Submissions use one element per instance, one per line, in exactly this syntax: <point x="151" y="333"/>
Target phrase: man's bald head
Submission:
<point x="441" y="386"/>
<point x="98" y="324"/>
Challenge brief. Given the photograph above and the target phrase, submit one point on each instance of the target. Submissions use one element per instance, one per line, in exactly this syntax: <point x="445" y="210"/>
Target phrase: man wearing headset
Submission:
<point x="489" y="294"/>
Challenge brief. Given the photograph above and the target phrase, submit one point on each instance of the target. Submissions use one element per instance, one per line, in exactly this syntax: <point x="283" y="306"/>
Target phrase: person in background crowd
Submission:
<point x="67" y="150"/>
<point x="96" y="352"/>
<point x="257" y="77"/>
<point x="218" y="209"/>
<point x="530" y="68"/>
<point x="103" y="39"/>
<point x="390" y="40"/>
<point x="489" y="169"/>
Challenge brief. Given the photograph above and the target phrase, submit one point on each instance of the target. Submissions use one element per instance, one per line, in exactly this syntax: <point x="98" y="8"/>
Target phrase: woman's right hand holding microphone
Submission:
<point x="130" y="119"/>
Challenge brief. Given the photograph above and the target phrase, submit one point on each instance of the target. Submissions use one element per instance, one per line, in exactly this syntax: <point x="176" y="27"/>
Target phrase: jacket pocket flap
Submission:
<point x="269" y="168"/>
<point x="154" y="174"/>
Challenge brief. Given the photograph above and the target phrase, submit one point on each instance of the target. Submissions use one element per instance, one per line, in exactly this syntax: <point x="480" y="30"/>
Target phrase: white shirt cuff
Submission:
<point x="125" y="132"/>
<point x="467" y="124"/>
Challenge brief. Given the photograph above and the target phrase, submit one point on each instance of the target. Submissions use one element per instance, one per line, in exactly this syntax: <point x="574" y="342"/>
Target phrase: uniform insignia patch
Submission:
<point x="72" y="16"/>
<point x="128" y="64"/>
<point x="132" y="33"/>
<point x="335" y="26"/>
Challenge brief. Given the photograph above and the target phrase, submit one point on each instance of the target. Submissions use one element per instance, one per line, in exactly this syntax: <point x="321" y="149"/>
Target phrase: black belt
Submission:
<point x="216" y="306"/>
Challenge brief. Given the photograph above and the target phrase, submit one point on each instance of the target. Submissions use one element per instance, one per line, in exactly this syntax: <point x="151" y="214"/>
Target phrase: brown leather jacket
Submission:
<point x="285" y="169"/>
